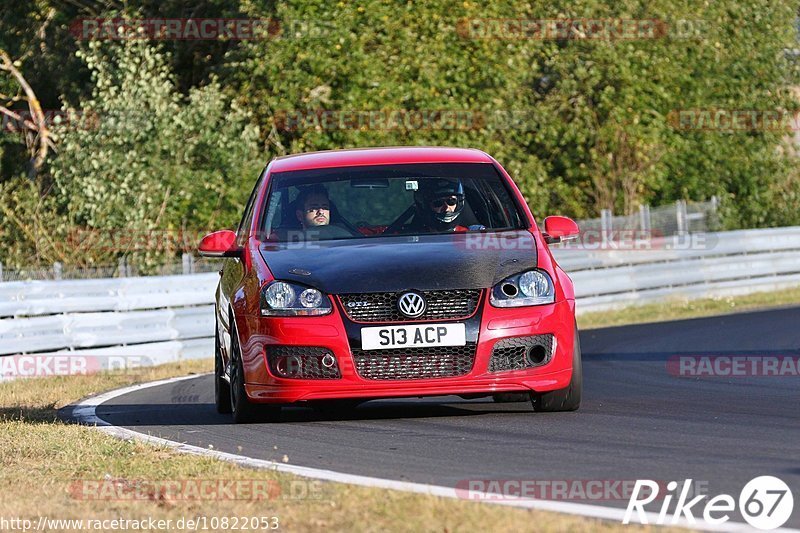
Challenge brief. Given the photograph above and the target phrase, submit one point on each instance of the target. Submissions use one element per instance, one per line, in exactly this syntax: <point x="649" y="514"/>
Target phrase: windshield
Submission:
<point x="385" y="200"/>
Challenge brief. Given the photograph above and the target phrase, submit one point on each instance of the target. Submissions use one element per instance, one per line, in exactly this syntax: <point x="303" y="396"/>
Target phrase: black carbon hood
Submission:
<point x="389" y="264"/>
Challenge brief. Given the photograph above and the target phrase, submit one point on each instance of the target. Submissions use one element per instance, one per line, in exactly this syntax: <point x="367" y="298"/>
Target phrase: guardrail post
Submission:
<point x="122" y="269"/>
<point x="644" y="220"/>
<point x="1" y="271"/>
<point x="605" y="225"/>
<point x="57" y="270"/>
<point x="680" y="217"/>
<point x="188" y="263"/>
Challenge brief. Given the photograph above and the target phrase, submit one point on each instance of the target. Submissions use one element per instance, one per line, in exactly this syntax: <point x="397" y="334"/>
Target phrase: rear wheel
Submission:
<point x="566" y="399"/>
<point x="222" y="389"/>
<point x="244" y="411"/>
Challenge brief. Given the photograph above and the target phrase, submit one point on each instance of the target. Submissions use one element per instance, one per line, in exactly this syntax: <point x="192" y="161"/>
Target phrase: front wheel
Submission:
<point x="566" y="399"/>
<point x="222" y="389"/>
<point x="244" y="411"/>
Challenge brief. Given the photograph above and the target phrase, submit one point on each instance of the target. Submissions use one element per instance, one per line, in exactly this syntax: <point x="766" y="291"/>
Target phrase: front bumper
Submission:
<point x="258" y="333"/>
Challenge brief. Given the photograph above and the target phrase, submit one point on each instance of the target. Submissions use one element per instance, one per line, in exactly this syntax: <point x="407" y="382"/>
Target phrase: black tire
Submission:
<point x="244" y="411"/>
<point x="222" y="389"/>
<point x="566" y="399"/>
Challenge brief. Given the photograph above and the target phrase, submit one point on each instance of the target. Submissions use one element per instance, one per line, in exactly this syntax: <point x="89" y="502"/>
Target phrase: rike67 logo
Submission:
<point x="765" y="503"/>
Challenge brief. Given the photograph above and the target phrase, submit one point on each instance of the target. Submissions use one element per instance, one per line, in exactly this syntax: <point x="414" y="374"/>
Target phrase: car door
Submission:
<point x="233" y="267"/>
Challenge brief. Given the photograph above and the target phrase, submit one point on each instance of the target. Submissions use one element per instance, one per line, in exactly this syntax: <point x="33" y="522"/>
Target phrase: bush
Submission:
<point x="147" y="159"/>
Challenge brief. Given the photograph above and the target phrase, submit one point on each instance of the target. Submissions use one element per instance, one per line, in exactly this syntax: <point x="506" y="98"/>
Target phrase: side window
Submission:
<point x="247" y="218"/>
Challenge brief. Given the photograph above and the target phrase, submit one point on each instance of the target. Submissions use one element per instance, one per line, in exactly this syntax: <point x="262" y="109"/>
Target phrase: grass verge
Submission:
<point x="65" y="471"/>
<point x="676" y="309"/>
<point x="49" y="465"/>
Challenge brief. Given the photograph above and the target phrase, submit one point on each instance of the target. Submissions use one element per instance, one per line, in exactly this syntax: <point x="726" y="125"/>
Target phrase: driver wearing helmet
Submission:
<point x="439" y="202"/>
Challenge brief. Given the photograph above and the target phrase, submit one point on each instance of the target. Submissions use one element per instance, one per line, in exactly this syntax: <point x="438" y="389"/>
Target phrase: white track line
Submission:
<point x="85" y="412"/>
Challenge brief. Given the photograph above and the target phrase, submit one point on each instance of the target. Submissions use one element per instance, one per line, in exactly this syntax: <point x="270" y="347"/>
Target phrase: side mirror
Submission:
<point x="557" y="229"/>
<point x="220" y="244"/>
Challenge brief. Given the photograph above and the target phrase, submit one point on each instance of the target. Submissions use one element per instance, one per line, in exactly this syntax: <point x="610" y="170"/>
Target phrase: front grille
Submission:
<point x="301" y="362"/>
<point x="382" y="306"/>
<point x="512" y="353"/>
<point x="415" y="363"/>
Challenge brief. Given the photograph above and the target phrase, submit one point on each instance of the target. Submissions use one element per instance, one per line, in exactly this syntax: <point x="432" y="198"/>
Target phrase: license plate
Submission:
<point x="387" y="337"/>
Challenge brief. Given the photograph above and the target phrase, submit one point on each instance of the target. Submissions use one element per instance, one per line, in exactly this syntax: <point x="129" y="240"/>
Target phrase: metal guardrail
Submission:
<point x="32" y="298"/>
<point x="167" y="318"/>
<point x="581" y="256"/>
<point x="686" y="267"/>
<point x="108" y="323"/>
<point x="91" y="330"/>
<point x="189" y="264"/>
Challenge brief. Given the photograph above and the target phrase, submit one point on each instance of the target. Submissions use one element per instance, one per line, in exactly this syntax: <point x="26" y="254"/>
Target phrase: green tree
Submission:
<point x="595" y="133"/>
<point x="581" y="124"/>
<point x="140" y="158"/>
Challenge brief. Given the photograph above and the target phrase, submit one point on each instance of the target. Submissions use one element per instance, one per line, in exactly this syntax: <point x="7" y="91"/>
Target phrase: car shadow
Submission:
<point x="204" y="413"/>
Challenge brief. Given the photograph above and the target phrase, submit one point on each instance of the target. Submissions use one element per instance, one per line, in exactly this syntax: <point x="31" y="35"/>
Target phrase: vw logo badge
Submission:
<point x="411" y="304"/>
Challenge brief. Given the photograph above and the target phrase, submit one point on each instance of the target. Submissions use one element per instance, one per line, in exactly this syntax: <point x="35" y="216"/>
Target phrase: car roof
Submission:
<point x="378" y="156"/>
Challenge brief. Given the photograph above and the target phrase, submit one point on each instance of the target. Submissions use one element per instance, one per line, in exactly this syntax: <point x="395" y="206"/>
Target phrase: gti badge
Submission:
<point x="411" y="304"/>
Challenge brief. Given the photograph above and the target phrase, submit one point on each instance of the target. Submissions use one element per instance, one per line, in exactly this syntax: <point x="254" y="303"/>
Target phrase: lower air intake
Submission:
<point x="302" y="362"/>
<point x="520" y="353"/>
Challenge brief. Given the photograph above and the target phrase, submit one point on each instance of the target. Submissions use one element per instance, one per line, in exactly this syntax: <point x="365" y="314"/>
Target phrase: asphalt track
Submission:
<point x="637" y="420"/>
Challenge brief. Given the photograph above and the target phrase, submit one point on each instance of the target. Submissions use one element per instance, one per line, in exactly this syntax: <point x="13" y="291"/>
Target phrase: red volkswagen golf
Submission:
<point x="390" y="272"/>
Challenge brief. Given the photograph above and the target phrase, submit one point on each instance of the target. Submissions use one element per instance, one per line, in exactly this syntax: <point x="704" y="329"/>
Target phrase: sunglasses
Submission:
<point x="441" y="202"/>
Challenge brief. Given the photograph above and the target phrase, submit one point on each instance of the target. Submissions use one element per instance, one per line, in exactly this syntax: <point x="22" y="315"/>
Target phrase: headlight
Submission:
<point x="279" y="295"/>
<point x="534" y="287"/>
<point x="310" y="298"/>
<point x="280" y="298"/>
